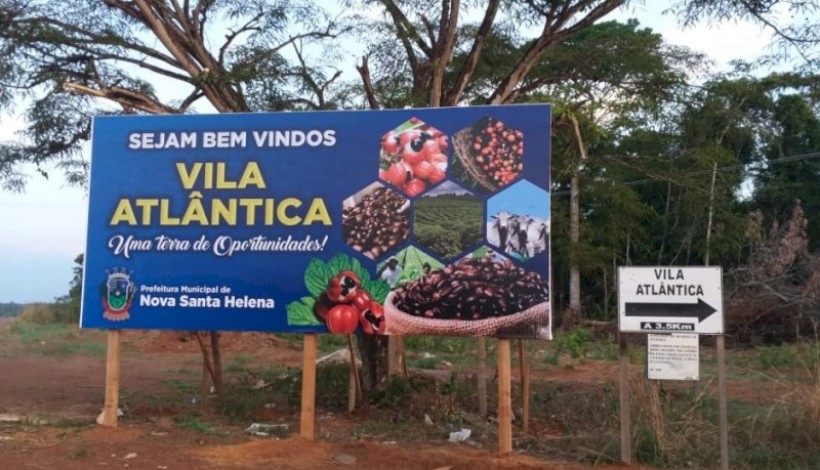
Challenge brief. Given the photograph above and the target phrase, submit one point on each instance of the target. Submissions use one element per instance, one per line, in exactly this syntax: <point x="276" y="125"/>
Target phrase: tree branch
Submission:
<point x="364" y="71"/>
<point x="128" y="99"/>
<point x="399" y="19"/>
<point x="443" y="49"/>
<point x="467" y="70"/>
<point x="550" y="36"/>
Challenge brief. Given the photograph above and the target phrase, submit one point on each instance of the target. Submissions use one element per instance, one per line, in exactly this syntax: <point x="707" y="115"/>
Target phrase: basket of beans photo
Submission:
<point x="472" y="297"/>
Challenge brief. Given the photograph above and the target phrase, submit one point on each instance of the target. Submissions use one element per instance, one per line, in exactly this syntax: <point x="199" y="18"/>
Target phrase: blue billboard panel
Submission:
<point x="307" y="222"/>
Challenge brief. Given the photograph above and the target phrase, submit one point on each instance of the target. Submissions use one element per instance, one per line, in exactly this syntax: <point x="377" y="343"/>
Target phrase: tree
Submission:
<point x="67" y="61"/>
<point x="791" y="167"/>
<point x="799" y="34"/>
<point x="441" y="55"/>
<point x="445" y="61"/>
<point x="612" y="76"/>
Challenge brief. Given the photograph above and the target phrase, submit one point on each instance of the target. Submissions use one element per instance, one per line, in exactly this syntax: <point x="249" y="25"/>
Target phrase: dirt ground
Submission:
<point x="48" y="405"/>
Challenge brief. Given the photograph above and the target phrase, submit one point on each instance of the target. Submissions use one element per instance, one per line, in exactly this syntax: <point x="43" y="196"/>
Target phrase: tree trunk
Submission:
<point x="575" y="238"/>
<point x="575" y="311"/>
<point x="216" y="352"/>
<point x="374" y="352"/>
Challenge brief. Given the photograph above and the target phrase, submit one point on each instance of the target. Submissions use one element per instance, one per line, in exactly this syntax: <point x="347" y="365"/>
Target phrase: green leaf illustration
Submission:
<point x="316" y="276"/>
<point x="377" y="289"/>
<point x="339" y="263"/>
<point x="360" y="271"/>
<point x="300" y="313"/>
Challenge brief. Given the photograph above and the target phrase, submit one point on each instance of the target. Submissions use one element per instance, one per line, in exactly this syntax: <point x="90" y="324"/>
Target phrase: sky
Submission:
<point x="44" y="229"/>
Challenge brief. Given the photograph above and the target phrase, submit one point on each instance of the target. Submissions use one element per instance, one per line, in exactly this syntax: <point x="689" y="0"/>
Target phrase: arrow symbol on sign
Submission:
<point x="700" y="310"/>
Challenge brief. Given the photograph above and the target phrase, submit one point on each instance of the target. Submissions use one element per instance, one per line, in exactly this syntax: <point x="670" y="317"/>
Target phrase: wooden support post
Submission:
<point x="308" y="416"/>
<point x="504" y="398"/>
<point x="351" y="393"/>
<point x="722" y="412"/>
<point x="525" y="387"/>
<point x="481" y="377"/>
<point x="112" y="379"/>
<point x="626" y="425"/>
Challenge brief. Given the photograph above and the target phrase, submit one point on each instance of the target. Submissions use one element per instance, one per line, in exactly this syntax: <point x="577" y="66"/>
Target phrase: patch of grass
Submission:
<point x="244" y="400"/>
<point x="182" y="386"/>
<point x="398" y="391"/>
<point x="194" y="422"/>
<point x="183" y="371"/>
<point x="330" y="343"/>
<point x="64" y="349"/>
<point x="778" y="357"/>
<point x="242" y="403"/>
<point x="71" y="424"/>
<point x="57" y="339"/>
<point x="239" y="362"/>
<point x="376" y="429"/>
<point x="460" y="352"/>
<point x="30" y="333"/>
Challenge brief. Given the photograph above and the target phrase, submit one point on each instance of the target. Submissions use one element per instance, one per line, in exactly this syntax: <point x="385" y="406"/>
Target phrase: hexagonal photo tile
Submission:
<point x="375" y="220"/>
<point x="481" y="294"/>
<point x="518" y="221"/>
<point x="413" y="157"/>
<point x="488" y="155"/>
<point x="407" y="265"/>
<point x="447" y="221"/>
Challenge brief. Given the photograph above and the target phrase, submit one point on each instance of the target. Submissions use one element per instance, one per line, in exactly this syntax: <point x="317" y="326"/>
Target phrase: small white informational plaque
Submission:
<point x="673" y="357"/>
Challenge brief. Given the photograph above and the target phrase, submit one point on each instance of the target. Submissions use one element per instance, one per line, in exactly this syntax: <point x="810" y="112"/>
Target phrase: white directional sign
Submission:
<point x="662" y="299"/>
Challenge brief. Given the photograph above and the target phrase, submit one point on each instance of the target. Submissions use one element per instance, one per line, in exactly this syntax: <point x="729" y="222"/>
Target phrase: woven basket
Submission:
<point x="532" y="323"/>
<point x="462" y="145"/>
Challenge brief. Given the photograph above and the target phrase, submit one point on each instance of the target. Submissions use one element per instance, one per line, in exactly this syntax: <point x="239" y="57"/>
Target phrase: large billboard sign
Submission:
<point x="418" y="221"/>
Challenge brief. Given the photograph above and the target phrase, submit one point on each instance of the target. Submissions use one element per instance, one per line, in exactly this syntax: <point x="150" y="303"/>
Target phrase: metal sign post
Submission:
<point x="671" y="299"/>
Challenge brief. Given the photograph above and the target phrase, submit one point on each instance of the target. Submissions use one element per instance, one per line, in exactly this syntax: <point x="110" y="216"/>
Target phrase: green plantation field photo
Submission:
<point x="448" y="223"/>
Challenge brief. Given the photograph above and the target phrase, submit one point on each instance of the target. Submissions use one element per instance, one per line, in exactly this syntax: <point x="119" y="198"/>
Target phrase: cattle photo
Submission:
<point x="520" y="236"/>
<point x="518" y="222"/>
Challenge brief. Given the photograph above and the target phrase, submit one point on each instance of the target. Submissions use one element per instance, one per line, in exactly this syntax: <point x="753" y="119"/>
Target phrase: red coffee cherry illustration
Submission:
<point x="342" y="319"/>
<point x="372" y="319"/>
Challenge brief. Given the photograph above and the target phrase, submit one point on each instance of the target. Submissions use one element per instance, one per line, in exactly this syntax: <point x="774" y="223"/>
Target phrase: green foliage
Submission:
<point x="575" y="344"/>
<point x="792" y="23"/>
<point x="30" y="333"/>
<point x="330" y="343"/>
<point x="448" y="224"/>
<point x="460" y="352"/>
<point x="56" y="339"/>
<point x="62" y="71"/>
<point x="10" y="309"/>
<point x="781" y="184"/>
<point x="194" y="422"/>
<point x="398" y="391"/>
<point x="186" y="387"/>
<point x="61" y="311"/>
